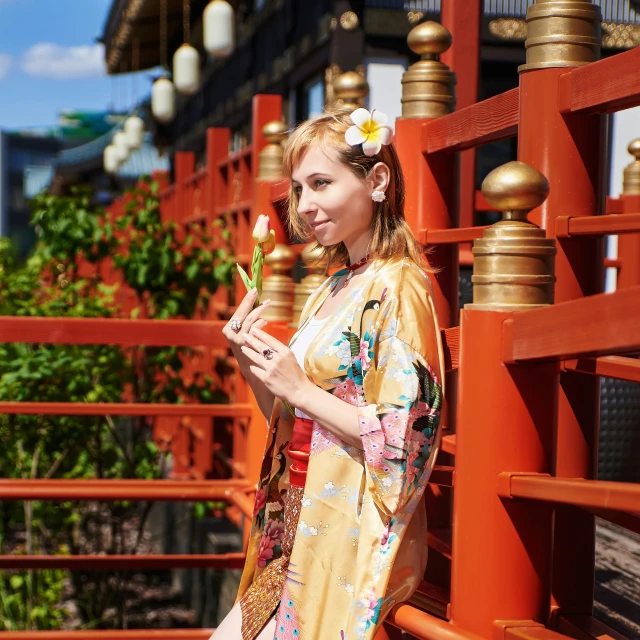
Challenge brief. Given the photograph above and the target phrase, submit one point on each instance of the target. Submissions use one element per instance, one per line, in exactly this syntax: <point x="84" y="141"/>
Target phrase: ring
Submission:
<point x="268" y="353"/>
<point x="235" y="324"/>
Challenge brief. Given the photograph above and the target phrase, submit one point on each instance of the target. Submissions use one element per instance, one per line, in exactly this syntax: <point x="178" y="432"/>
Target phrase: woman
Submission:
<point x="339" y="529"/>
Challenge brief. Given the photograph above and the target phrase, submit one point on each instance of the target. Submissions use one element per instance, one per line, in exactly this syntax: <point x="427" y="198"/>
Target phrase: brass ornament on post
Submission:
<point x="278" y="287"/>
<point x="349" y="21"/>
<point x="562" y="33"/>
<point x="513" y="267"/>
<point x="428" y="86"/>
<point x="316" y="274"/>
<point x="270" y="159"/>
<point x="349" y="89"/>
<point x="631" y="173"/>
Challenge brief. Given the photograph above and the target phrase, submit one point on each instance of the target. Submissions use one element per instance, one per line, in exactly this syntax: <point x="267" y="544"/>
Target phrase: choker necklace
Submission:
<point x="351" y="268"/>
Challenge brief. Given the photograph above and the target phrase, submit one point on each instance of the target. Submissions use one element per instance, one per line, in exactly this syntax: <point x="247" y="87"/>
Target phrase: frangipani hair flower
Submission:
<point x="370" y="130"/>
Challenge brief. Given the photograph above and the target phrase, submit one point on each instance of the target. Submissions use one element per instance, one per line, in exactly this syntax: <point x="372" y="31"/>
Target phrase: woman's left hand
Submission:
<point x="275" y="365"/>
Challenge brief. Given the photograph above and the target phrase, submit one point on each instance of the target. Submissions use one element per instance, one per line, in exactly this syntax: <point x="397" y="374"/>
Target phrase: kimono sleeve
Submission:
<point x="400" y="419"/>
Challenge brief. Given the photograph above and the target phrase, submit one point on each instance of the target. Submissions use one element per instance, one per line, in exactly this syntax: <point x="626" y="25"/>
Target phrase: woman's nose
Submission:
<point x="305" y="203"/>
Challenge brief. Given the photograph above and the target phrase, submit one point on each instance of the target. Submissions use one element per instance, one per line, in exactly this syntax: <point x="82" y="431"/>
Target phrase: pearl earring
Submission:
<point x="378" y="196"/>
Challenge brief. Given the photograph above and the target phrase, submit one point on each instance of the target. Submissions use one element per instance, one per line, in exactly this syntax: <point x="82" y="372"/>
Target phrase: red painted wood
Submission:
<point x="125" y="562"/>
<point x="608" y="326"/>
<point x="119" y="634"/>
<point x="493" y="119"/>
<point x="452" y="236"/>
<point x="124" y="409"/>
<point x="569" y="149"/>
<point x="600" y="494"/>
<point x="109" y="490"/>
<point x="609" y="85"/>
<point x="164" y="333"/>
<point x="609" y="366"/>
<point x="571" y="226"/>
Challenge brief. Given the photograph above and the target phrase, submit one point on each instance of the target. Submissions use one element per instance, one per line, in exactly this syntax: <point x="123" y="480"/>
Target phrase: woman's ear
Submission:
<point x="380" y="176"/>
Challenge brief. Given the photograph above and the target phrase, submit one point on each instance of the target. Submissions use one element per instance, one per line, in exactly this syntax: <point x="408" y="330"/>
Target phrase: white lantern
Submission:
<point x="219" y="28"/>
<point x="122" y="148"/>
<point x="163" y="100"/>
<point x="110" y="159"/>
<point x="133" y="130"/>
<point x="186" y="69"/>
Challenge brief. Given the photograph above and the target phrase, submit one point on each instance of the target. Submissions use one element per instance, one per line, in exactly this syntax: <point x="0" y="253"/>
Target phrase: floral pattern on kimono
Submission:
<point x="360" y="544"/>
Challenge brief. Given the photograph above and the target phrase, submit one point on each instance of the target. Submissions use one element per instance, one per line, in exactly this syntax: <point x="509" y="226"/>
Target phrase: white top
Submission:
<point x="301" y="346"/>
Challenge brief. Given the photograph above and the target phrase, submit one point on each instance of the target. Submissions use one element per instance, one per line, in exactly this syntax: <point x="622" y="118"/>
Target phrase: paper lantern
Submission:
<point x="133" y="130"/>
<point x="122" y="148"/>
<point x="186" y="69"/>
<point x="110" y="159"/>
<point x="219" y="29"/>
<point x="163" y="100"/>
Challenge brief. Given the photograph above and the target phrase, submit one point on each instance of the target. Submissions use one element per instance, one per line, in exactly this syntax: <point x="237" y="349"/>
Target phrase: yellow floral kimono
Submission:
<point x="360" y="546"/>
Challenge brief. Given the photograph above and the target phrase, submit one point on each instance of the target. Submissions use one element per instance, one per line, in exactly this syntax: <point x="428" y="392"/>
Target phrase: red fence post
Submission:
<point x="501" y="550"/>
<point x="568" y="150"/>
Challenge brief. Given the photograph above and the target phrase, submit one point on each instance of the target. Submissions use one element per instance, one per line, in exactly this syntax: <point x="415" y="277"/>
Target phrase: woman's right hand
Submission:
<point x="242" y="321"/>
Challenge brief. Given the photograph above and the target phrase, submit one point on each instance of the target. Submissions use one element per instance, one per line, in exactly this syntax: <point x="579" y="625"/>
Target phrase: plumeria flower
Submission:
<point x="370" y="130"/>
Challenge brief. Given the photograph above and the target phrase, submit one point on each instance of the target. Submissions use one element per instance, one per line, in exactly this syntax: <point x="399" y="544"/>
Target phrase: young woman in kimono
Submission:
<point x="339" y="527"/>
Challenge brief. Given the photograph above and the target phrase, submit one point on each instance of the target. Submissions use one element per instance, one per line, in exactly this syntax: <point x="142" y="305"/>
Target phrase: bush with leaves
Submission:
<point x="174" y="273"/>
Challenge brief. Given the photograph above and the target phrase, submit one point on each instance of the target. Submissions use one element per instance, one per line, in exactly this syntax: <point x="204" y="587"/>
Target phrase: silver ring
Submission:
<point x="268" y="353"/>
<point x="235" y="325"/>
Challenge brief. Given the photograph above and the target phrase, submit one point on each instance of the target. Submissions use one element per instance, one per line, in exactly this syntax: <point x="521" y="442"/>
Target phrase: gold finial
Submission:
<point x="631" y="173"/>
<point x="428" y="86"/>
<point x="316" y="265"/>
<point x="513" y="262"/>
<point x="562" y="33"/>
<point x="278" y="286"/>
<point x="429" y="39"/>
<point x="349" y="89"/>
<point x="515" y="188"/>
<point x="270" y="161"/>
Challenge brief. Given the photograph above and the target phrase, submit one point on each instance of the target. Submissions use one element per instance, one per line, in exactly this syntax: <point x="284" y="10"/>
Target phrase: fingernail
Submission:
<point x="267" y="301"/>
<point x="254" y="292"/>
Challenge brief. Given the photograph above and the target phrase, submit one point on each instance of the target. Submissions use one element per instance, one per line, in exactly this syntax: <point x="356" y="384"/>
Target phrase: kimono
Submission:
<point x="360" y="544"/>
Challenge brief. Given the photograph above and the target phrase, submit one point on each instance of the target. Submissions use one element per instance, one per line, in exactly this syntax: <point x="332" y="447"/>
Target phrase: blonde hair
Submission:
<point x="392" y="238"/>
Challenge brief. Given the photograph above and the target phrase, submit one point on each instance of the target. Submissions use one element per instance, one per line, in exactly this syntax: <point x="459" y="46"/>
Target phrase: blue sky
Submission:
<point x="50" y="60"/>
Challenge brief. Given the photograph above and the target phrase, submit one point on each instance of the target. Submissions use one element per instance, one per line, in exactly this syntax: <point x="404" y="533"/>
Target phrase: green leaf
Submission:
<point x="245" y="278"/>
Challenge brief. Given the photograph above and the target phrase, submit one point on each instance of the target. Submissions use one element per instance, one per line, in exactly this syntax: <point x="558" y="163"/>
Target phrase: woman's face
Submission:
<point x="332" y="200"/>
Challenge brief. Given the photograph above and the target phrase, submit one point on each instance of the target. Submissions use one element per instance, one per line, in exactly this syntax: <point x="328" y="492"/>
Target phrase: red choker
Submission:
<point x="351" y="268"/>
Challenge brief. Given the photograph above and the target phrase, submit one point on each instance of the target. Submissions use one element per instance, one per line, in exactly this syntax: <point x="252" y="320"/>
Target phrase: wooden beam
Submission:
<point x="493" y="119"/>
<point x="159" y="333"/>
<point x="619" y="496"/>
<point x="610" y="224"/>
<point x="600" y="325"/>
<point x="110" y="490"/>
<point x="609" y="85"/>
<point x="616" y="367"/>
<point x="125" y="562"/>
<point x="125" y="409"/>
<point x="452" y="236"/>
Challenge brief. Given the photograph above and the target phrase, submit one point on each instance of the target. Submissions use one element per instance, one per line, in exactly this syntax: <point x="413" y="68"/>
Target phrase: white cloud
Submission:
<point x="47" y="60"/>
<point x="5" y="63"/>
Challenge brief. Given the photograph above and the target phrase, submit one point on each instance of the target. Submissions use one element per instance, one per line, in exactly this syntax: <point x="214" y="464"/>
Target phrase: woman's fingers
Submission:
<point x="256" y="357"/>
<point x="268" y="340"/>
<point x="260" y="323"/>
<point x="254" y="315"/>
<point x="254" y="343"/>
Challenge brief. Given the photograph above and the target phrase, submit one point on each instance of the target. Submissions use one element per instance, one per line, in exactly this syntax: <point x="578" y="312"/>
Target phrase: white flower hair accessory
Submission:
<point x="370" y="130"/>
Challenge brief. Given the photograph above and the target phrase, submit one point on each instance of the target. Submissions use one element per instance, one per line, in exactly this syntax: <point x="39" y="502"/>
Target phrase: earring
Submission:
<point x="378" y="196"/>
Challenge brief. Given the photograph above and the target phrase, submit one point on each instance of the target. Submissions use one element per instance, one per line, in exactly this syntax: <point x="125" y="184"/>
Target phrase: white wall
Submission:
<point x="625" y="128"/>
<point x="384" y="76"/>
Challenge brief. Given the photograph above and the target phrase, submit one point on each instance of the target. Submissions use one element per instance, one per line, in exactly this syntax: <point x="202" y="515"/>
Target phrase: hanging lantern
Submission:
<point x="219" y="29"/>
<point x="122" y="148"/>
<point x="133" y="130"/>
<point x="186" y="69"/>
<point x="163" y="100"/>
<point x="110" y="159"/>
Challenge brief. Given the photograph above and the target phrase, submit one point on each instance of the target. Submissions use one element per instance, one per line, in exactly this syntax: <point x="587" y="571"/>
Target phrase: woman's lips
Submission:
<point x="319" y="225"/>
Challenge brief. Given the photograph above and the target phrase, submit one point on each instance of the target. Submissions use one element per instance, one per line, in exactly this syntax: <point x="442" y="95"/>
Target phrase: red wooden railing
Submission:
<point x="506" y="561"/>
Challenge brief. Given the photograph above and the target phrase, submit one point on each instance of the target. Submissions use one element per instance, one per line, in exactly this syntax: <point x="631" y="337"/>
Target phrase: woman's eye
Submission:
<point x="321" y="183"/>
